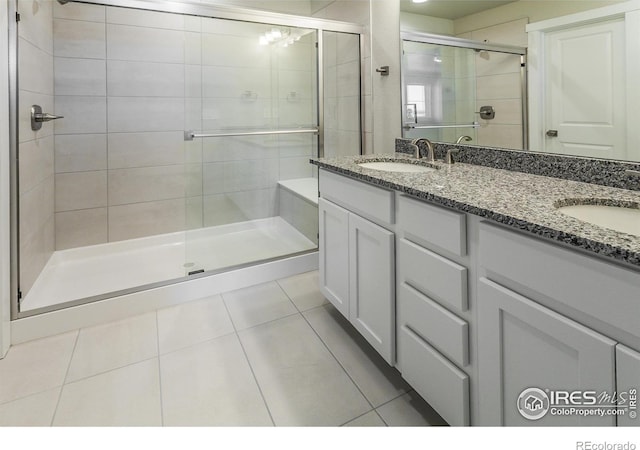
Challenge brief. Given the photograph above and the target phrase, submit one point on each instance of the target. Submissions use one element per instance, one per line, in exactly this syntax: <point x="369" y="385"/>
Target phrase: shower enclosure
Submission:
<point x="183" y="147"/>
<point x="456" y="87"/>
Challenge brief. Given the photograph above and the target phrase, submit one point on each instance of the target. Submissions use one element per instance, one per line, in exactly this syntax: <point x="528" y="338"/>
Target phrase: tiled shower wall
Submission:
<point x="499" y="85"/>
<point x="130" y="82"/>
<point x="35" y="147"/>
<point x="341" y="94"/>
<point x="357" y="12"/>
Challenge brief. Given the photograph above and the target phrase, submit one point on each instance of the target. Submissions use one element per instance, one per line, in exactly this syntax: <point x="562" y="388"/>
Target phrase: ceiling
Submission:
<point x="449" y="9"/>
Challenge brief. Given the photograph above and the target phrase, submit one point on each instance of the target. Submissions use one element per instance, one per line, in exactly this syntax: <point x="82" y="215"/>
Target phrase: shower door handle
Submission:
<point x="46" y="117"/>
<point x="37" y="117"/>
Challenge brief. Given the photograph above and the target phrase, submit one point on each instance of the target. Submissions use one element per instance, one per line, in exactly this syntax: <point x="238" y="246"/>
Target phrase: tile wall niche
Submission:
<point x="130" y="82"/>
<point x="36" y="157"/>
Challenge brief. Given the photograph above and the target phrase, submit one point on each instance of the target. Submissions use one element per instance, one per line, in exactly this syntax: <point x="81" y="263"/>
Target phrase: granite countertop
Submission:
<point x="522" y="201"/>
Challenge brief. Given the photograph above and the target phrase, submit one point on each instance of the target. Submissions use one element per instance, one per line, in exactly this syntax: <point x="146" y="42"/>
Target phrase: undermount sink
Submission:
<point x="394" y="166"/>
<point x="619" y="218"/>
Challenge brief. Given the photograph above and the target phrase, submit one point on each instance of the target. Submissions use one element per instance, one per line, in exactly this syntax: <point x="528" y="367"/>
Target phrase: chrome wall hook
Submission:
<point x="383" y="71"/>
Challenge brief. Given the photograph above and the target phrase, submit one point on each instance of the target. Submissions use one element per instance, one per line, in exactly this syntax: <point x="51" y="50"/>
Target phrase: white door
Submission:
<point x="584" y="94"/>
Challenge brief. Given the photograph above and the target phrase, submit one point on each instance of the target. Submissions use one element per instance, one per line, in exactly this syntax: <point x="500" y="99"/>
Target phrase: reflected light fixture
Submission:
<point x="419" y="1"/>
<point x="280" y="36"/>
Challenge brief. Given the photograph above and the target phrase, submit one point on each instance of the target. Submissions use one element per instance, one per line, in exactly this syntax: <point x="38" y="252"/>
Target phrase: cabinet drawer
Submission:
<point x="444" y="330"/>
<point x="440" y="383"/>
<point x="368" y="201"/>
<point x="433" y="224"/>
<point x="439" y="278"/>
<point x="606" y="292"/>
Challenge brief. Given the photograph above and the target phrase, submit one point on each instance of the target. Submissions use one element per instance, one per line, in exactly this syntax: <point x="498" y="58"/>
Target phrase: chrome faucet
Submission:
<point x="431" y="154"/>
<point x="448" y="159"/>
<point x="463" y="138"/>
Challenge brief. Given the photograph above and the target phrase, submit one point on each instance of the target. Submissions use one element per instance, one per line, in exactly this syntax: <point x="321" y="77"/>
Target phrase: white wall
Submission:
<point x="427" y="24"/>
<point x="385" y="51"/>
<point x="533" y="10"/>
<point x="4" y="183"/>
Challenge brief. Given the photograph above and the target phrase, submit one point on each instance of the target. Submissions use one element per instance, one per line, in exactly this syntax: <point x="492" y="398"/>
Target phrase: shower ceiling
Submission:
<point x="449" y="9"/>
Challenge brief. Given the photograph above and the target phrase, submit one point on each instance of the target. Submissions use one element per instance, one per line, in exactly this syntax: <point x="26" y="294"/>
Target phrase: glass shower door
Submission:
<point x="251" y="125"/>
<point x="439" y="91"/>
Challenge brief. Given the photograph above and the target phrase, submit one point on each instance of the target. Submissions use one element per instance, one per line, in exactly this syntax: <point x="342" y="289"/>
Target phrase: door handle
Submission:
<point x="552" y="133"/>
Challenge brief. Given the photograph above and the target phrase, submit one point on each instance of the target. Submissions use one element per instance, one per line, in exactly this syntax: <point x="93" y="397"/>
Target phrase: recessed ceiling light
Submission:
<point x="419" y="1"/>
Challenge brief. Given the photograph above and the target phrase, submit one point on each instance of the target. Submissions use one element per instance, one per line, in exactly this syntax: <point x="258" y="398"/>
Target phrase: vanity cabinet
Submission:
<point x="555" y="319"/>
<point x="432" y="289"/>
<point x="357" y="260"/>
<point x="473" y="313"/>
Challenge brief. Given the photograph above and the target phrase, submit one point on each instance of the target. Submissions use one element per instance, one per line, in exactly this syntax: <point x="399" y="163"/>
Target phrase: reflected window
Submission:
<point x="416" y="96"/>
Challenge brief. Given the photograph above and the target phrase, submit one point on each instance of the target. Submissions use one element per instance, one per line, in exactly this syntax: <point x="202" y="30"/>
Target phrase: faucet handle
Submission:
<point x="449" y="157"/>
<point x="632" y="173"/>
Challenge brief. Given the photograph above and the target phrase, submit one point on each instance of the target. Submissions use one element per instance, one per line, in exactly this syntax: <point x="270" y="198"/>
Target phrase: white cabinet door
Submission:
<point x="372" y="284"/>
<point x="628" y="381"/>
<point x="522" y="345"/>
<point x="585" y="90"/>
<point x="334" y="254"/>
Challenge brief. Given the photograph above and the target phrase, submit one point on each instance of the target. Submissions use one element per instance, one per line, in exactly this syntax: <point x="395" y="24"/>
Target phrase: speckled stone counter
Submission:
<point x="606" y="172"/>
<point x="519" y="200"/>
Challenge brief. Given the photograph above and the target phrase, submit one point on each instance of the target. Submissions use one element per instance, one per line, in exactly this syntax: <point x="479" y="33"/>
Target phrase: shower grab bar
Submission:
<point x="191" y="135"/>
<point x="422" y="127"/>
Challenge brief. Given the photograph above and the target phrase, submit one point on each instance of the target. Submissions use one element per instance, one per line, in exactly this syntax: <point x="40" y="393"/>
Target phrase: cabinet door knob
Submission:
<point x="552" y="133"/>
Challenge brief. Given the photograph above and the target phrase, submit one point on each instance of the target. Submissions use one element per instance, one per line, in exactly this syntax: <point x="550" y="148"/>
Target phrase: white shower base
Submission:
<point x="84" y="272"/>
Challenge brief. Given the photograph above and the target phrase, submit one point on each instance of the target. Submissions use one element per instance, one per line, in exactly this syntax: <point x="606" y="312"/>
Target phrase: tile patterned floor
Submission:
<point x="273" y="354"/>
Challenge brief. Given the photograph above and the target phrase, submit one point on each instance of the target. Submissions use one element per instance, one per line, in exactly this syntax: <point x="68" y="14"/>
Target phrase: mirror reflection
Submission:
<point x="453" y="88"/>
<point x="574" y="107"/>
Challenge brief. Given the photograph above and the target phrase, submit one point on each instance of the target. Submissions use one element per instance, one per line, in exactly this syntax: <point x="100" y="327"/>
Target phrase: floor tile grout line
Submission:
<point x="338" y="361"/>
<point x="380" y="416"/>
<point x="111" y="370"/>
<point x="387" y="402"/>
<point x="356" y="418"/>
<point x="66" y="374"/>
<point x="171" y="352"/>
<point x="291" y="298"/>
<point x="258" y="324"/>
<point x="246" y="357"/>
<point x="226" y="308"/>
<point x="159" y="368"/>
<point x="255" y="378"/>
<point x="235" y="330"/>
<point x="395" y="398"/>
<point x="297" y="311"/>
<point x="286" y="294"/>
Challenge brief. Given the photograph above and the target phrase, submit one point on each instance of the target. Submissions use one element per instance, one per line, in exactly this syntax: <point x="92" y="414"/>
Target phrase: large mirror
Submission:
<point x="570" y="105"/>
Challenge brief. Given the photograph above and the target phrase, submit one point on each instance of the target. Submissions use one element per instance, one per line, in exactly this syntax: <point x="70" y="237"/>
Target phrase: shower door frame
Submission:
<point x="450" y="41"/>
<point x="183" y="8"/>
